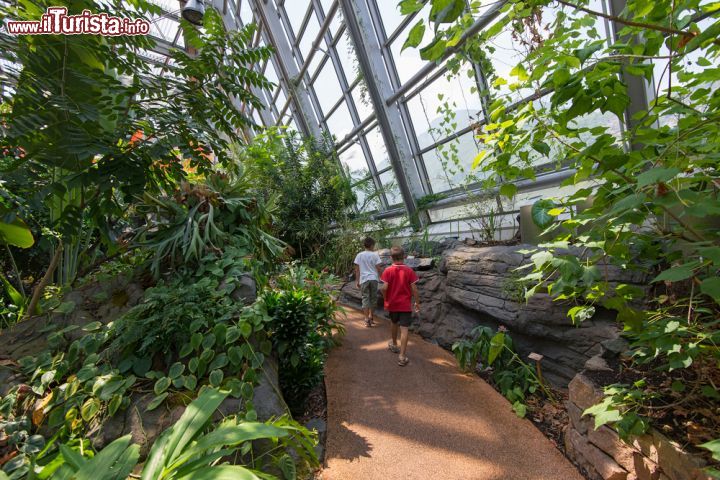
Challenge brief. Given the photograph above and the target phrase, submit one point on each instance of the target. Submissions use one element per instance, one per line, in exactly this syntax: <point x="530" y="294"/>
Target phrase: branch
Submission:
<point x="43" y="283"/>
<point x="630" y="23"/>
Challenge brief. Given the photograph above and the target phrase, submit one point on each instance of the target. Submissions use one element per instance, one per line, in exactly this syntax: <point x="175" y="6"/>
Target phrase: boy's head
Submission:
<point x="397" y="254"/>
<point x="369" y="243"/>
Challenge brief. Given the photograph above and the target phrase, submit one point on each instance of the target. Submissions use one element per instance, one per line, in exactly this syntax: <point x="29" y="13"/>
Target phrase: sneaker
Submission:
<point x="393" y="348"/>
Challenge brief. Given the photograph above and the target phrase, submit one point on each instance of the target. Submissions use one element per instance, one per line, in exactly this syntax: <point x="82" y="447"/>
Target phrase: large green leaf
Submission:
<point x="229" y="435"/>
<point x="16" y="297"/>
<point x="714" y="447"/>
<point x="446" y="11"/>
<point x="497" y="343"/>
<point x="415" y="36"/>
<point x="16" y="233"/>
<point x="114" y="462"/>
<point x="711" y="287"/>
<point x="221" y="472"/>
<point x="541" y="213"/>
<point x="173" y="441"/>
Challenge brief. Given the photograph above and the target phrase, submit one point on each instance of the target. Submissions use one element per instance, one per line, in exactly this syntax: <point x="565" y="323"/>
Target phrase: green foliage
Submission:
<point x="652" y="186"/>
<point x="115" y="127"/>
<point x="188" y="449"/>
<point x="311" y="191"/>
<point x="301" y="330"/>
<point x="16" y="233"/>
<point x="208" y="216"/>
<point x="186" y="335"/>
<point x="513" y="377"/>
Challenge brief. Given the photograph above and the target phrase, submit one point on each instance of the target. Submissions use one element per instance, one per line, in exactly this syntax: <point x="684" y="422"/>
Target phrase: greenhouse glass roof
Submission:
<point x="404" y="128"/>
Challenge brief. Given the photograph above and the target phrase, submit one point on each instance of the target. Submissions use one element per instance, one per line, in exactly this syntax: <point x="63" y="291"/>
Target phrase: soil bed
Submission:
<point x="681" y="410"/>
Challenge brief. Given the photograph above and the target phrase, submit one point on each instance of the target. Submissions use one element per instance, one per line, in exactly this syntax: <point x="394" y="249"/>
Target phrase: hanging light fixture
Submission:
<point x="193" y="11"/>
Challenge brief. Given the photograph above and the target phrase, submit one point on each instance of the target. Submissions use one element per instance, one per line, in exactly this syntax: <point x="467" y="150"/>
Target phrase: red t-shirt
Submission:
<point x="398" y="296"/>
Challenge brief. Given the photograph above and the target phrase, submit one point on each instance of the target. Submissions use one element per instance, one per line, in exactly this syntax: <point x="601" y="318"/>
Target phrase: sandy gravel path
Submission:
<point x="423" y="421"/>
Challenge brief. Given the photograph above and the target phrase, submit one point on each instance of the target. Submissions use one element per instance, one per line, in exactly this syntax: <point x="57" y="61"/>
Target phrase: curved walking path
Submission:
<point x="423" y="421"/>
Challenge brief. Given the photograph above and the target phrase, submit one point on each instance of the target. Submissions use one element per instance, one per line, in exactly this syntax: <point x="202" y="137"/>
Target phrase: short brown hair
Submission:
<point x="397" y="254"/>
<point x="369" y="242"/>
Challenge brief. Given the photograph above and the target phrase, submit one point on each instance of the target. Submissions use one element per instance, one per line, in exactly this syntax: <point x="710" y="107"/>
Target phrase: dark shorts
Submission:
<point x="401" y="318"/>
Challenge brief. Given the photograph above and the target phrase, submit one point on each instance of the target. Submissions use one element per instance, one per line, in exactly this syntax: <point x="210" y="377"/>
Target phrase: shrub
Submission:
<point x="301" y="330"/>
<point x="312" y="192"/>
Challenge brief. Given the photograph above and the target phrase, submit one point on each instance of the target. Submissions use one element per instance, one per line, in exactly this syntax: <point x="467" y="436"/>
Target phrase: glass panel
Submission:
<point x="327" y="87"/>
<point x="448" y="166"/>
<point x="368" y="199"/>
<point x="362" y="101"/>
<point x="348" y="60"/>
<point x="340" y="123"/>
<point x="391" y="188"/>
<point x="296" y="10"/>
<point x="270" y="73"/>
<point x="377" y="148"/>
<point x="391" y="16"/>
<point x="281" y="99"/>
<point x="309" y="35"/>
<point x="354" y="162"/>
<point x="246" y="15"/>
<point x="444" y="107"/>
<point x="408" y="62"/>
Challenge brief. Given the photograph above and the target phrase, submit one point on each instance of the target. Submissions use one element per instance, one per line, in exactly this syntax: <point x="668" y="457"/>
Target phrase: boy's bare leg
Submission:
<point x="403" y="340"/>
<point x="394" y="332"/>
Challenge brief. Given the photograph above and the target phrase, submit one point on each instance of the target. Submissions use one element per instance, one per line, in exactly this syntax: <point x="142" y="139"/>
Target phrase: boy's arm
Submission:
<point x="416" y="296"/>
<point x="357" y="275"/>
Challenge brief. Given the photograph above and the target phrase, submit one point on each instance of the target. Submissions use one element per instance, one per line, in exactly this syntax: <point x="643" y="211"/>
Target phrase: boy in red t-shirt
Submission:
<point x="399" y="288"/>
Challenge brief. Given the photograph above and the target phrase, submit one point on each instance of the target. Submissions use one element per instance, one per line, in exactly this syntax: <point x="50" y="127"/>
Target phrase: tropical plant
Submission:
<point x="108" y="126"/>
<point x="191" y="448"/>
<point x="494" y="351"/>
<point x="312" y="192"/>
<point x="205" y="217"/>
<point x="653" y="185"/>
<point x="302" y="330"/>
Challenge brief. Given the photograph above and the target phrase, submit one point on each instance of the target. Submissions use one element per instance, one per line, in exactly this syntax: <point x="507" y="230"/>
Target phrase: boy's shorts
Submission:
<point x="369" y="291"/>
<point x="401" y="318"/>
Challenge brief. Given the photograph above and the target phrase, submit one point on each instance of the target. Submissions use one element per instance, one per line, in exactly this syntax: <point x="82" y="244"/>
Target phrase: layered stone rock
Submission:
<point x="604" y="455"/>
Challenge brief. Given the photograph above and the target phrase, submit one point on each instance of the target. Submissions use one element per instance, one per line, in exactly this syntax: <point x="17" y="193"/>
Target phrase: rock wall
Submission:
<point x="474" y="286"/>
<point x="604" y="456"/>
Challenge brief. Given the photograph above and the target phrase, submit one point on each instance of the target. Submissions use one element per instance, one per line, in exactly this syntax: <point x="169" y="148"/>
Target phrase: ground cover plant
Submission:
<point x="652" y="187"/>
<point x="493" y="353"/>
<point x="188" y="334"/>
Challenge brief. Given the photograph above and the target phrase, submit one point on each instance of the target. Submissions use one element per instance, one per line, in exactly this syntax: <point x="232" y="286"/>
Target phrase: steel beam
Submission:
<point x="268" y="15"/>
<point x="640" y="90"/>
<point x="359" y="23"/>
